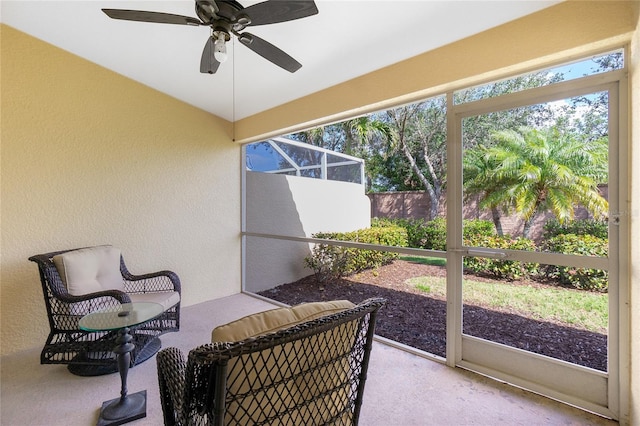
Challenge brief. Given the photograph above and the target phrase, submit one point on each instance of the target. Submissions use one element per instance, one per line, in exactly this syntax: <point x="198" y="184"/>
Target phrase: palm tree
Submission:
<point x="534" y="171"/>
<point x="479" y="166"/>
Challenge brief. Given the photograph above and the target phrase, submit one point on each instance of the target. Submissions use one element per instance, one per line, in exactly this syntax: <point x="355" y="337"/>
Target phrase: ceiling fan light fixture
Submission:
<point x="220" y="47"/>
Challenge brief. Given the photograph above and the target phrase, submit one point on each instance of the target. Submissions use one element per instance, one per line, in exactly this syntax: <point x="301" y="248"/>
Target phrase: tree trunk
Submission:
<point x="495" y="215"/>
<point x="526" y="229"/>
<point x="435" y="189"/>
<point x="430" y="190"/>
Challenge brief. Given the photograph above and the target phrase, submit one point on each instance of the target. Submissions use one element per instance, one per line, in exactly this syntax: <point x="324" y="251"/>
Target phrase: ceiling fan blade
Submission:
<point x="274" y="11"/>
<point x="208" y="63"/>
<point x="155" y="17"/>
<point x="269" y="52"/>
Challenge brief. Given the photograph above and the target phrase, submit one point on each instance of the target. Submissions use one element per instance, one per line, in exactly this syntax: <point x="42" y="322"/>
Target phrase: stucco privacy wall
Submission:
<point x="300" y="207"/>
<point x="90" y="157"/>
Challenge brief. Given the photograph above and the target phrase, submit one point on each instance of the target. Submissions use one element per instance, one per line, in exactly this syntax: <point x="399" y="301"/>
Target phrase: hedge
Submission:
<point x="579" y="237"/>
<point x="331" y="262"/>
<point x="580" y="278"/>
<point x="509" y="270"/>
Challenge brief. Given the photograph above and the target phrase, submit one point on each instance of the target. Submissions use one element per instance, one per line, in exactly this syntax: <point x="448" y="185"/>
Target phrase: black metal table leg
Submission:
<point x="128" y="407"/>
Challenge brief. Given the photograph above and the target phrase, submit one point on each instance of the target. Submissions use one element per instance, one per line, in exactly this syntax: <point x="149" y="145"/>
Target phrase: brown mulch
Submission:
<point x="419" y="321"/>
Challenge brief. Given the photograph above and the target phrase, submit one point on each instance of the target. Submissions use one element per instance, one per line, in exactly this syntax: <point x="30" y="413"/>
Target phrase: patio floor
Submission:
<point x="402" y="388"/>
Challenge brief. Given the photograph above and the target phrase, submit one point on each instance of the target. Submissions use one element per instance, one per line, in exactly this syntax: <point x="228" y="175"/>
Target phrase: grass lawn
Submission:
<point x="575" y="308"/>
<point x="437" y="261"/>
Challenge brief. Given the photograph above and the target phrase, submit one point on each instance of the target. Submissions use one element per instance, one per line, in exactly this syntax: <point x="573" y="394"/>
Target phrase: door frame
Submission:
<point x="602" y="392"/>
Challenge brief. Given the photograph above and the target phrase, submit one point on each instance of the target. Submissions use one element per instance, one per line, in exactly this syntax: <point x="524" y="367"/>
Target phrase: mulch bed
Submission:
<point x="419" y="321"/>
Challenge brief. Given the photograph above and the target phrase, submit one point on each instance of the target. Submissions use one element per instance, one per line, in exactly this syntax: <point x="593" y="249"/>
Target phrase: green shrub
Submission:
<point x="326" y="261"/>
<point x="331" y="262"/>
<point x="596" y="228"/>
<point x="476" y="227"/>
<point x="381" y="222"/>
<point x="584" y="245"/>
<point x="504" y="269"/>
<point x="432" y="235"/>
<point x="434" y="232"/>
<point x="419" y="233"/>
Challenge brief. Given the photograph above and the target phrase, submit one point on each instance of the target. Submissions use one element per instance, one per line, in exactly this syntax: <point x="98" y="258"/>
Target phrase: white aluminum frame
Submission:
<point x="604" y="393"/>
<point x="324" y="164"/>
<point x="617" y="379"/>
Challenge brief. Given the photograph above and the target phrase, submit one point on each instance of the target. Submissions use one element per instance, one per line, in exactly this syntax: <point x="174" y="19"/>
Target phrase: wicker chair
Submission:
<point x="312" y="371"/>
<point x="90" y="353"/>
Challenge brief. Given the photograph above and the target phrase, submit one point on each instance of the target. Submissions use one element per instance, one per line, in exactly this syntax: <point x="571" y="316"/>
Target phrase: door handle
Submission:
<point x="482" y="253"/>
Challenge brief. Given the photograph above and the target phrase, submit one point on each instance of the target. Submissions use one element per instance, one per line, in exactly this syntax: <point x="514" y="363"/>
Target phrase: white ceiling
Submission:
<point x="346" y="39"/>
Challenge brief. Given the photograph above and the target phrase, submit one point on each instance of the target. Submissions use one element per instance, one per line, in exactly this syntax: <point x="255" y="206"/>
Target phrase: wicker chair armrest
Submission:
<point x="211" y="352"/>
<point x="171" y="379"/>
<point x="158" y="281"/>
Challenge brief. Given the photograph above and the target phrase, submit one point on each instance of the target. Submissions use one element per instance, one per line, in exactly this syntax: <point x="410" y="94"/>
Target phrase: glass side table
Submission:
<point x="128" y="407"/>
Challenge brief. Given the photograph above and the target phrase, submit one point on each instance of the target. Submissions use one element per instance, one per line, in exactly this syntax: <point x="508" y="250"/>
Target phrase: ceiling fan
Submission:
<point x="226" y="17"/>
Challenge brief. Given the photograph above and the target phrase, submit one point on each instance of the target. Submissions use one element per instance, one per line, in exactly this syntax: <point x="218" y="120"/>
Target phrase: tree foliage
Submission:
<point x="534" y="171"/>
<point x="405" y="148"/>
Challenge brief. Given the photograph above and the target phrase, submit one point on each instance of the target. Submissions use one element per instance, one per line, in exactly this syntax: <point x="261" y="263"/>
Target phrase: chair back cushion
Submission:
<point x="305" y="382"/>
<point x="276" y="319"/>
<point x="90" y="270"/>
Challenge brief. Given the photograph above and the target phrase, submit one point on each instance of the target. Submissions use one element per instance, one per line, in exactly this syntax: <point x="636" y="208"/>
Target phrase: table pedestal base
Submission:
<point x="82" y="365"/>
<point x="119" y="411"/>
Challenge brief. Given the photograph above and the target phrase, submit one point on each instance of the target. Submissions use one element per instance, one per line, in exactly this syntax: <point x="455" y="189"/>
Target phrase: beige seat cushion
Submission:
<point x="291" y="382"/>
<point x="90" y="270"/>
<point x="167" y="299"/>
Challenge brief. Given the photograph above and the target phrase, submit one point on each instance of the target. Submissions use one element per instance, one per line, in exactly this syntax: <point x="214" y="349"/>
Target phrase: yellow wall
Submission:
<point x="90" y="157"/>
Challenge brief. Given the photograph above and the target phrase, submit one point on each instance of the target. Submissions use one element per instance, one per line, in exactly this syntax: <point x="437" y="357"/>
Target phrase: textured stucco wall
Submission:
<point x="299" y="206"/>
<point x="90" y="157"/>
<point x="295" y="206"/>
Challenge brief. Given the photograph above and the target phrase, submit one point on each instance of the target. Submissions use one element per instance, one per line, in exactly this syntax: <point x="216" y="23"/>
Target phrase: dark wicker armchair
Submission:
<point x="90" y="353"/>
<point x="309" y="369"/>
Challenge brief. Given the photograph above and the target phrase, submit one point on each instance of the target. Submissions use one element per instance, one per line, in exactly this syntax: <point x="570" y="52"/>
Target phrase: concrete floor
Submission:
<point x="402" y="388"/>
